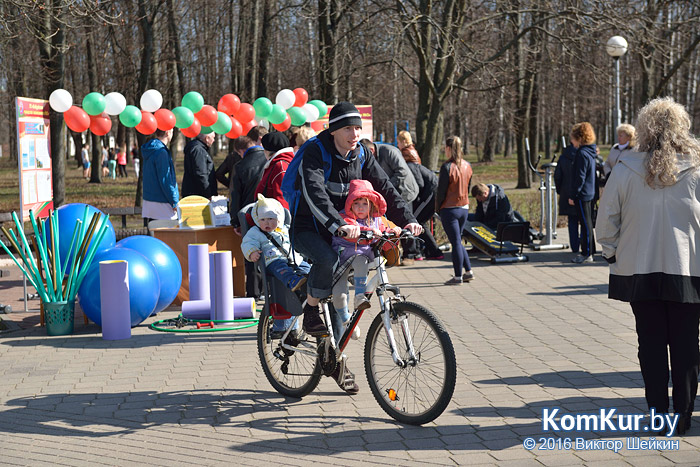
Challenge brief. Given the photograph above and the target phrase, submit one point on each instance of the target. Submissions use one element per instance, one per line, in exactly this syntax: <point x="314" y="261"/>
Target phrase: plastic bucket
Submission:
<point x="59" y="318"/>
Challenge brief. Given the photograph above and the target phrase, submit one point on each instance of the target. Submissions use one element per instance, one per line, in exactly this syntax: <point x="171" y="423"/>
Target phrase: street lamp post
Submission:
<point x="616" y="48"/>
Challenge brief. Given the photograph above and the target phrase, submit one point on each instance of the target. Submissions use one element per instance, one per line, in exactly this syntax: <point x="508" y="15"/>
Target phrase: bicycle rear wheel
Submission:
<point x="419" y="392"/>
<point x="291" y="373"/>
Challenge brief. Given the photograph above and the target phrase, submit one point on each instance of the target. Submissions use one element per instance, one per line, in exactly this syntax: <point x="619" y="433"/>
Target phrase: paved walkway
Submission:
<point x="528" y="336"/>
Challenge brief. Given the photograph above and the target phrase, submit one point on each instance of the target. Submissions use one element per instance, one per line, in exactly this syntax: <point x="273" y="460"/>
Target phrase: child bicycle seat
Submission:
<point x="280" y="301"/>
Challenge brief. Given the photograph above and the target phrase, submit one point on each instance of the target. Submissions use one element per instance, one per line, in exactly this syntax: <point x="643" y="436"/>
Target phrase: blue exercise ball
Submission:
<point x="144" y="286"/>
<point x="68" y="215"/>
<point x="164" y="259"/>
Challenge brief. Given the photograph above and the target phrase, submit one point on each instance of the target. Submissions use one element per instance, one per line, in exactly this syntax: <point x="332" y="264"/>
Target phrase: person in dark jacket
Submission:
<point x="243" y="183"/>
<point x="225" y="170"/>
<point x="317" y="216"/>
<point x="563" y="175"/>
<point x="583" y="186"/>
<point x="424" y="204"/>
<point x="493" y="206"/>
<point x="198" y="177"/>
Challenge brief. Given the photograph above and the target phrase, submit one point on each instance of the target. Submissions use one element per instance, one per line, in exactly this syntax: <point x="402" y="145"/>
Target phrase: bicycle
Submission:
<point x="412" y="376"/>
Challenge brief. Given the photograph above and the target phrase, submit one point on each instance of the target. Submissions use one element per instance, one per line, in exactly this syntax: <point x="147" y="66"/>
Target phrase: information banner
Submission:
<point x="34" y="158"/>
<point x="365" y="113"/>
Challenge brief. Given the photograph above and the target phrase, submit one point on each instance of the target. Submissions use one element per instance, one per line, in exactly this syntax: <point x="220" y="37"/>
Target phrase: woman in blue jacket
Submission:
<point x="583" y="186"/>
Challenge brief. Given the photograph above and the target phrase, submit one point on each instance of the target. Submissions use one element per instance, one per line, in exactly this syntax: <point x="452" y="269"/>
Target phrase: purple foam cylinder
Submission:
<point x="198" y="271"/>
<point x="243" y="307"/>
<point x="196" y="309"/>
<point x="114" y="300"/>
<point x="221" y="285"/>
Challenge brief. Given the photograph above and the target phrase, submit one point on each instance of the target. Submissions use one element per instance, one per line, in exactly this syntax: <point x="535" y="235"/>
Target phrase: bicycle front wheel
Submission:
<point x="420" y="391"/>
<point x="293" y="373"/>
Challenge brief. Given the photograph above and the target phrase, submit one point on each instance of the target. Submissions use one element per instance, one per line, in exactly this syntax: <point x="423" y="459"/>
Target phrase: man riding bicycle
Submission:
<point x="317" y="217"/>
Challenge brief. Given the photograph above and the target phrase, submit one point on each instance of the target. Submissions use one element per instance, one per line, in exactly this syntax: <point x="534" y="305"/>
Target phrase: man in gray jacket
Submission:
<point x="393" y="163"/>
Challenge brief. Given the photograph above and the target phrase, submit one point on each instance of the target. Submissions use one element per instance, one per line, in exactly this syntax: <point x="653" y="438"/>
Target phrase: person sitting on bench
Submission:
<point x="493" y="206"/>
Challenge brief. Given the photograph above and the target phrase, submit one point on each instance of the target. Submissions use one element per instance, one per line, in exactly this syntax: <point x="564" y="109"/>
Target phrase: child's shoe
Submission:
<point x="362" y="302"/>
<point x="313" y="324"/>
<point x="297" y="283"/>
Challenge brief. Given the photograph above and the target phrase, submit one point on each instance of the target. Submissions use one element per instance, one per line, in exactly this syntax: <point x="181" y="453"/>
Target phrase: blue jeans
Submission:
<point x="453" y="221"/>
<point x="586" y="221"/>
<point x="286" y="273"/>
<point x="323" y="260"/>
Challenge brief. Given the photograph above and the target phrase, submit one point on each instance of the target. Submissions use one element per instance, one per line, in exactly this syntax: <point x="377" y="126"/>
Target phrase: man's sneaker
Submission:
<point x="313" y="324"/>
<point x="362" y="302"/>
<point x="468" y="276"/>
<point x="299" y="284"/>
<point x="454" y="281"/>
<point x="346" y="381"/>
<point x="579" y="259"/>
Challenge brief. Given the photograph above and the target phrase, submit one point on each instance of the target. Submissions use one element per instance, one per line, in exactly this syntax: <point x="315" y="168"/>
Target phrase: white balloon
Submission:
<point x="311" y="112"/>
<point x="264" y="123"/>
<point x="115" y="103"/>
<point x="285" y="98"/>
<point x="151" y="100"/>
<point x="60" y="100"/>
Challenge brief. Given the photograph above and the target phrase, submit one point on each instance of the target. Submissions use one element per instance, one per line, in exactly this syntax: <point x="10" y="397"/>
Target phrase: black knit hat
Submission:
<point x="344" y="114"/>
<point x="275" y="141"/>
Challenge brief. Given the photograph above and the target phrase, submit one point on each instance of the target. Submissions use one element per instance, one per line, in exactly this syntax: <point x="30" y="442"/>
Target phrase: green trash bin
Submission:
<point x="59" y="317"/>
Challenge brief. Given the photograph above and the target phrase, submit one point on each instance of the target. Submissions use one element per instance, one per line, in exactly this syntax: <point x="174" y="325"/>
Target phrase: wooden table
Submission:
<point x="218" y="239"/>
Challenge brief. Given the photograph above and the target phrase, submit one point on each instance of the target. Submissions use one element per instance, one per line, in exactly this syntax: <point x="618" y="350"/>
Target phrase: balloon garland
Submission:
<point x="230" y="117"/>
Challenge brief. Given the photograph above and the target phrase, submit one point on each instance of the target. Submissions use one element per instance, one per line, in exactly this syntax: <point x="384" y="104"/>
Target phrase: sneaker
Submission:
<point x="300" y="283"/>
<point x="419" y="258"/>
<point x="582" y="259"/>
<point x="454" y="281"/>
<point x="313" y="324"/>
<point x="435" y="257"/>
<point x="346" y="381"/>
<point x="362" y="302"/>
<point x="407" y="262"/>
<point x="468" y="276"/>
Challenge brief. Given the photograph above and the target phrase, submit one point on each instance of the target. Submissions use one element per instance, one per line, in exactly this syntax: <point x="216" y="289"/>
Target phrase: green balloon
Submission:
<point x="263" y="107"/>
<point x="297" y="115"/>
<point x="277" y="114"/>
<point x="321" y="106"/>
<point x="94" y="103"/>
<point x="206" y="130"/>
<point x="223" y="124"/>
<point x="184" y="118"/>
<point x="130" y="116"/>
<point x="193" y="101"/>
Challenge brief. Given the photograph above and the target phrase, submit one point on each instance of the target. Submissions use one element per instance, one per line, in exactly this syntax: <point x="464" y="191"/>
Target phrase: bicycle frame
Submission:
<point x="378" y="283"/>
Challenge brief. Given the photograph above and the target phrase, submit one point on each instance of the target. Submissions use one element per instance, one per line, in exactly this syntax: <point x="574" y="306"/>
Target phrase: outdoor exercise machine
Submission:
<point x="499" y="245"/>
<point x="548" y="203"/>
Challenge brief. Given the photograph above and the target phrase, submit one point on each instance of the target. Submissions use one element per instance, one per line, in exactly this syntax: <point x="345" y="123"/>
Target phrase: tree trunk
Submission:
<point x="95" y="144"/>
<point x="52" y="57"/>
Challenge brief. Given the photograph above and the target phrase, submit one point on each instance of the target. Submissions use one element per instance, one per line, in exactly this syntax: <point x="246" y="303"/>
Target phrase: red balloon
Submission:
<point x="245" y="113"/>
<point x="247" y="126"/>
<point x="284" y="126"/>
<point x="193" y="130"/>
<point x="302" y="97"/>
<point x="76" y="119"/>
<point x="100" y="124"/>
<point x="148" y="123"/>
<point x="207" y="116"/>
<point x="236" y="129"/>
<point x="229" y="104"/>
<point x="165" y="119"/>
